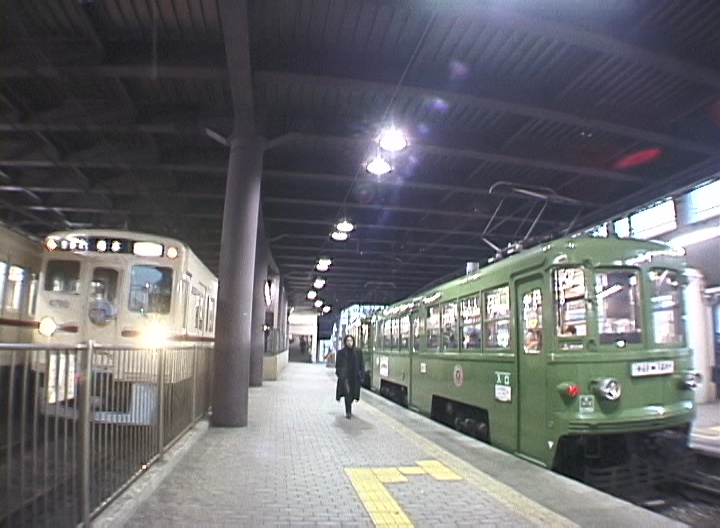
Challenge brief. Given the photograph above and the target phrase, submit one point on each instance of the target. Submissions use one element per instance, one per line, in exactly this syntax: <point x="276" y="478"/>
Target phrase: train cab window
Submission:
<point x="103" y="290"/>
<point x="618" y="307"/>
<point x="432" y="328"/>
<point x="450" y="327"/>
<point x="666" y="307"/>
<point x="405" y="332"/>
<point x="497" y="317"/>
<point x="62" y="276"/>
<point x="471" y="323"/>
<point x="150" y="289"/>
<point x="532" y="326"/>
<point x="571" y="302"/>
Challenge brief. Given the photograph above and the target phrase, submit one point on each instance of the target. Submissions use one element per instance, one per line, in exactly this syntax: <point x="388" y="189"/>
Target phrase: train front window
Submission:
<point x="150" y="289"/>
<point x="618" y="307"/>
<point x="666" y="307"/>
<point x="571" y="302"/>
<point x="62" y="276"/>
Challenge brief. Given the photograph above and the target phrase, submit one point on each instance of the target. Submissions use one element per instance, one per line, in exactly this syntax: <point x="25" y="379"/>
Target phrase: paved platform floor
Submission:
<point x="300" y="462"/>
<point x="705" y="434"/>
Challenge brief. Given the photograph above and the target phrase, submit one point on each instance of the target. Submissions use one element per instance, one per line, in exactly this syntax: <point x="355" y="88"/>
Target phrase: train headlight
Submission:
<point x="690" y="380"/>
<point x="154" y="336"/>
<point x="608" y="389"/>
<point x="47" y="326"/>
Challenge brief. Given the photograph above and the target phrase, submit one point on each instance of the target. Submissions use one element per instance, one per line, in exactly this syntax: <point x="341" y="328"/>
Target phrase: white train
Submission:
<point x="19" y="271"/>
<point x="122" y="290"/>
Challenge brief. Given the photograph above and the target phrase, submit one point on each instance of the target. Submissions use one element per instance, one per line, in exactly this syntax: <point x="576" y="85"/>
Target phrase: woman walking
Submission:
<point x="349" y="369"/>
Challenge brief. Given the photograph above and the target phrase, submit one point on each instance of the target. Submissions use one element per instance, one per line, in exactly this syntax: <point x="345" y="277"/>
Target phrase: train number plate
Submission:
<point x="652" y="368"/>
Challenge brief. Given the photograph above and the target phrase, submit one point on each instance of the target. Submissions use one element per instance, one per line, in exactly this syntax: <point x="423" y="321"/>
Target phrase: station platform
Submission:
<point x="300" y="462"/>
<point x="705" y="434"/>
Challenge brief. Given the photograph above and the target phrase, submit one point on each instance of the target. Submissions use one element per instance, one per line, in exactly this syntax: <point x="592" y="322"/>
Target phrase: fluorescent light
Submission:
<point x="607" y="293"/>
<point x="379" y="166"/>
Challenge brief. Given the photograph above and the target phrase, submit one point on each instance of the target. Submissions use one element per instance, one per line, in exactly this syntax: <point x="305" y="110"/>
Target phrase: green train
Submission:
<point x="570" y="354"/>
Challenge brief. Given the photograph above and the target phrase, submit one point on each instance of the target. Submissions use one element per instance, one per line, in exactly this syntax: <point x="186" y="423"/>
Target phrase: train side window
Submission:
<point x="450" y="326"/>
<point x="471" y="323"/>
<point x="12" y="297"/>
<point x="387" y="332"/>
<point x="3" y="281"/>
<point x="211" y="316"/>
<point x="571" y="302"/>
<point x="618" y="306"/>
<point x="532" y="321"/>
<point x="32" y="294"/>
<point x="497" y="317"/>
<point x="432" y="328"/>
<point x="666" y="307"/>
<point x="417" y="332"/>
<point x="405" y="332"/>
<point x="62" y="276"/>
<point x="395" y="333"/>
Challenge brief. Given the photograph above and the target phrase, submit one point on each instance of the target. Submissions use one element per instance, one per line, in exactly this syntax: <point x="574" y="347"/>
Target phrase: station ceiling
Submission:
<point x="525" y="118"/>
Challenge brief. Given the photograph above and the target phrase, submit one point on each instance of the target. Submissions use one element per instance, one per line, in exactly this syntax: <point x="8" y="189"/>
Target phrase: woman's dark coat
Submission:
<point x="349" y="366"/>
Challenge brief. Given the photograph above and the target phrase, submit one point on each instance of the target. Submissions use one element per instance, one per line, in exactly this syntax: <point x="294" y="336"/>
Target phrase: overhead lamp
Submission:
<point x="323" y="264"/>
<point x="344" y="225"/>
<point x="326" y="309"/>
<point x="340" y="236"/>
<point x="379" y="166"/>
<point x="392" y="140"/>
<point x="318" y="303"/>
<point x="312" y="294"/>
<point x="319" y="283"/>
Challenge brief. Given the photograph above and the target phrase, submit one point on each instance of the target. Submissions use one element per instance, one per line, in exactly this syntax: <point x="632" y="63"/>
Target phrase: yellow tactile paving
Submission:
<point x="438" y="470"/>
<point x="505" y="495"/>
<point x="411" y="470"/>
<point x="379" y="503"/>
<point x="386" y="475"/>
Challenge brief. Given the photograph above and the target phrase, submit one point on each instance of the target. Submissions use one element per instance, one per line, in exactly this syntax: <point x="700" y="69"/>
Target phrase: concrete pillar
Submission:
<point x="258" y="316"/>
<point x="235" y="290"/>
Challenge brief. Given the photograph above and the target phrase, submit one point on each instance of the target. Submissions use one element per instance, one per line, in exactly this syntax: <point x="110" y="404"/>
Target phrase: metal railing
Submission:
<point x="79" y="424"/>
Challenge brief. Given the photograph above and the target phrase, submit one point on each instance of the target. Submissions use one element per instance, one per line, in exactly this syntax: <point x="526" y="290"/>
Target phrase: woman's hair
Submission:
<point x="349" y="337"/>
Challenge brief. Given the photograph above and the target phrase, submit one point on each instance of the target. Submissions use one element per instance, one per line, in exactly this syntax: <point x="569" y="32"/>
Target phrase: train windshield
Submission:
<point x="150" y="289"/>
<point x="619" y="312"/>
<point x="666" y="307"/>
<point x="62" y="276"/>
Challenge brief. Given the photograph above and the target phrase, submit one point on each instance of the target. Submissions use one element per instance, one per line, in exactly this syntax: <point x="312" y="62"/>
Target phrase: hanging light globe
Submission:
<point x="318" y="303"/>
<point x="339" y="236"/>
<point x="312" y="294"/>
<point x="319" y="283"/>
<point x="379" y="166"/>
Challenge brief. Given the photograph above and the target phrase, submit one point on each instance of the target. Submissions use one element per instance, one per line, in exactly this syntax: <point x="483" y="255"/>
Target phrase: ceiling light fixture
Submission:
<point x="392" y="140"/>
<point x="318" y="303"/>
<point x="319" y="283"/>
<point x="344" y="225"/>
<point x="326" y="309"/>
<point x="340" y="236"/>
<point x="379" y="166"/>
<point x="312" y="294"/>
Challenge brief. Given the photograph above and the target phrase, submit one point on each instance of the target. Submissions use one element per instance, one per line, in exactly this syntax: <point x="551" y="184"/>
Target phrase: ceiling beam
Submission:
<point x="459" y="99"/>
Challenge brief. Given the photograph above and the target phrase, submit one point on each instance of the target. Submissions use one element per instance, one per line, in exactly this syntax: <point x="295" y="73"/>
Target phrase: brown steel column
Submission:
<point x="235" y="290"/>
<point x="258" y="316"/>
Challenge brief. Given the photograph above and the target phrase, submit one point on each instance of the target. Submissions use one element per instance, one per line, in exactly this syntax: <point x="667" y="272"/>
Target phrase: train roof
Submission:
<point x="601" y="250"/>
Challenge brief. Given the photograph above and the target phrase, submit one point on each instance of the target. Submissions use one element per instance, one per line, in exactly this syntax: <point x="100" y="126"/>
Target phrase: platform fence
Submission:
<point x="79" y="424"/>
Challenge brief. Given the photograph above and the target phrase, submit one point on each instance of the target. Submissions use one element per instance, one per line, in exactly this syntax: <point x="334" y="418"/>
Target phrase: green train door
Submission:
<point x="531" y="369"/>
